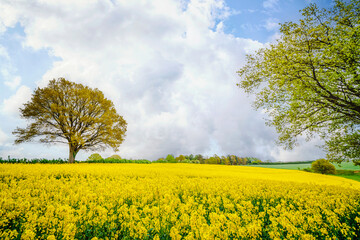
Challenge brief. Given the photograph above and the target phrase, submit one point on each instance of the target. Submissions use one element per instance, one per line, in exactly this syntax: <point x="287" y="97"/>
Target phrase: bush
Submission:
<point x="94" y="157"/>
<point x="323" y="166"/>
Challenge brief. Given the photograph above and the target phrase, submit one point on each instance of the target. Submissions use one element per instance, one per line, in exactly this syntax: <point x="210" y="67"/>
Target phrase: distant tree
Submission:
<point x="323" y="166"/>
<point x="186" y="161"/>
<point x="161" y="160"/>
<point x="218" y="159"/>
<point x="170" y="158"/>
<point x="232" y="159"/>
<point x="212" y="160"/>
<point x="309" y="80"/>
<point x="200" y="158"/>
<point x="94" y="157"/>
<point x="225" y="160"/>
<point x="67" y="112"/>
<point x="256" y="161"/>
<point x="180" y="158"/>
<point x="238" y="160"/>
<point x="115" y="156"/>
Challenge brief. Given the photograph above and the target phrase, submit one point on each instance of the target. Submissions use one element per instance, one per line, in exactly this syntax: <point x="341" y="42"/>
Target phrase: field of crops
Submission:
<point x="174" y="201"/>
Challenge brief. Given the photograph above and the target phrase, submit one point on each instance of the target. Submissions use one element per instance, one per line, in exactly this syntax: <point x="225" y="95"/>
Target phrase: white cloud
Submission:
<point x="273" y="38"/>
<point x="4" y="53"/>
<point x="166" y="64"/>
<point x="11" y="105"/>
<point x="3" y="137"/>
<point x="270" y="4"/>
<point x="272" y="24"/>
<point x="7" y="70"/>
<point x="13" y="82"/>
<point x="305" y="151"/>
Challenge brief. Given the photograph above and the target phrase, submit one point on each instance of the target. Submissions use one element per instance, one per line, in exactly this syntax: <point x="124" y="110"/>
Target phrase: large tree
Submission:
<point x="309" y="80"/>
<point x="67" y="112"/>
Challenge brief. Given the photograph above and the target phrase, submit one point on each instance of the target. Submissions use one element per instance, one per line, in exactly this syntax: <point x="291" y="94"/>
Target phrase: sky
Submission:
<point x="169" y="66"/>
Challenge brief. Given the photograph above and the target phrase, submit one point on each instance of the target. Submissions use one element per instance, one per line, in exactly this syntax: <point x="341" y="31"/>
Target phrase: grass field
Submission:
<point x="297" y="166"/>
<point x="345" y="169"/>
<point x="174" y="201"/>
<point x="300" y="166"/>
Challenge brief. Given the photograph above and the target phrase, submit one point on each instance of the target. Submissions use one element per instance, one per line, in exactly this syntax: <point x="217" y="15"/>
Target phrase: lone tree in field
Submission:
<point x="67" y="112"/>
<point x="309" y="80"/>
<point x="323" y="166"/>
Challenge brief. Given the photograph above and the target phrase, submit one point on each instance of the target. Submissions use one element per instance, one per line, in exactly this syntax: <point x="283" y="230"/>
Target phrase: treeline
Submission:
<point x="200" y="159"/>
<point x="32" y="161"/>
<point x="61" y="161"/>
<point x="197" y="159"/>
<point x="112" y="160"/>
<point x="97" y="158"/>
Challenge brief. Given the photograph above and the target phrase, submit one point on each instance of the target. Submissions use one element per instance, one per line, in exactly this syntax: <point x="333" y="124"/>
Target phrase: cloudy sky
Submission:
<point x="169" y="66"/>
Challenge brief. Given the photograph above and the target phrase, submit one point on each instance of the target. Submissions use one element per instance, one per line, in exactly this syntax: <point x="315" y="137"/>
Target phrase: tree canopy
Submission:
<point x="309" y="82"/>
<point x="67" y="112"/>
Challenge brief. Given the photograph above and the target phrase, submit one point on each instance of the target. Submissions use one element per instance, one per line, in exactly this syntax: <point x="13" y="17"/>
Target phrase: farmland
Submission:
<point x="174" y="201"/>
<point x="299" y="166"/>
<point x="345" y="169"/>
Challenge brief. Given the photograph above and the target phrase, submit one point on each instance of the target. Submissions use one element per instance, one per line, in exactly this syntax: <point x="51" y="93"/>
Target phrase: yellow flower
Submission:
<point x="194" y="201"/>
<point x="51" y="237"/>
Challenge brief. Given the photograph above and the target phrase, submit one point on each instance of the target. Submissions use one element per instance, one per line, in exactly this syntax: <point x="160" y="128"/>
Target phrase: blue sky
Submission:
<point x="169" y="66"/>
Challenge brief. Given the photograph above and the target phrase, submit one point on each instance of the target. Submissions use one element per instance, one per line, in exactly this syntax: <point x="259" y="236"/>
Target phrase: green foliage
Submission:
<point x="185" y="161"/>
<point x="323" y="166"/>
<point x="114" y="160"/>
<point x="94" y="156"/>
<point x="256" y="162"/>
<point x="160" y="160"/>
<point x="115" y="156"/>
<point x="170" y="158"/>
<point x="70" y="113"/>
<point x="181" y="158"/>
<point x="199" y="159"/>
<point x="309" y="82"/>
<point x="32" y="161"/>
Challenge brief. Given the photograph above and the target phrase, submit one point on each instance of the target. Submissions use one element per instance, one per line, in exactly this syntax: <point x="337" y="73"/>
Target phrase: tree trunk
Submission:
<point x="72" y="154"/>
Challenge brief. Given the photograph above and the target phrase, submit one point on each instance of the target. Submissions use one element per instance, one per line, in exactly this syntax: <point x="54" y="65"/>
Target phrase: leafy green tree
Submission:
<point x="225" y="160"/>
<point x="309" y="80"/>
<point x="180" y="158"/>
<point x="67" y="112"/>
<point x="232" y="159"/>
<point x="115" y="156"/>
<point x="161" y="160"/>
<point x="94" y="157"/>
<point x="323" y="166"/>
<point x="200" y="158"/>
<point x="170" y="158"/>
<point x="257" y="161"/>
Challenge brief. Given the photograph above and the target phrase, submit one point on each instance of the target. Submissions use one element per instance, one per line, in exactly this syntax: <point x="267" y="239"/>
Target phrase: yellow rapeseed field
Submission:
<point x="174" y="201"/>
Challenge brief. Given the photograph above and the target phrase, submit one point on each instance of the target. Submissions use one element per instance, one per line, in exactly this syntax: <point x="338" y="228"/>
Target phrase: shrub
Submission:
<point x="94" y="157"/>
<point x="323" y="166"/>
